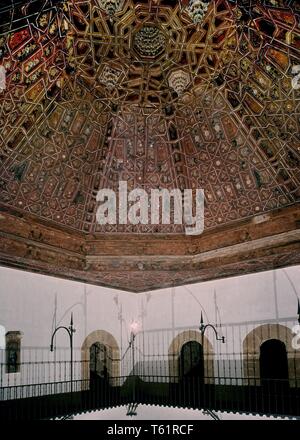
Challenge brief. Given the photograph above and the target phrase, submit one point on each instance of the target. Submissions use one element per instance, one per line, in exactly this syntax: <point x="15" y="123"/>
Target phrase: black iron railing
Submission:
<point x="256" y="370"/>
<point x="50" y="400"/>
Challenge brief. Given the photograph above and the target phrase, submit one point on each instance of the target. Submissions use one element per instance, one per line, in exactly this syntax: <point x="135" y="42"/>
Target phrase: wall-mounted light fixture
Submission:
<point x="203" y="328"/>
<point x="70" y="330"/>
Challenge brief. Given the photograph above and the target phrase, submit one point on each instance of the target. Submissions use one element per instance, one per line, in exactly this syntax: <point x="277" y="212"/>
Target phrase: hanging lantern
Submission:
<point x="110" y="6"/>
<point x="179" y="80"/>
<point x="197" y="9"/>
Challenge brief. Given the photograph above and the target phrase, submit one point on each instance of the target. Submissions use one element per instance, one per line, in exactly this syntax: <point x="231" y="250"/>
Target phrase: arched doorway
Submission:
<point x="98" y="361"/>
<point x="191" y="361"/>
<point x="252" y="348"/>
<point x="100" y="348"/>
<point x="191" y="373"/>
<point x="273" y="364"/>
<point x="175" y="355"/>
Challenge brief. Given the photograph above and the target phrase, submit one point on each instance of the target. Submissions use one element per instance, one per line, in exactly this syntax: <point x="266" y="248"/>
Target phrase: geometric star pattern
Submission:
<point x="234" y="131"/>
<point x="150" y="97"/>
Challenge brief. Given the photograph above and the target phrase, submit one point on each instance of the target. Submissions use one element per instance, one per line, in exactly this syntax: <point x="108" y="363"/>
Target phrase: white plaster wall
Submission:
<point x="239" y="299"/>
<point x="32" y="303"/>
<point x="35" y="304"/>
<point x="248" y="300"/>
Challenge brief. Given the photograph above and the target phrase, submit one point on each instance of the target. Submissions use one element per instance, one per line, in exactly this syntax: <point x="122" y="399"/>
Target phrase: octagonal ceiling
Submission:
<point x="98" y="92"/>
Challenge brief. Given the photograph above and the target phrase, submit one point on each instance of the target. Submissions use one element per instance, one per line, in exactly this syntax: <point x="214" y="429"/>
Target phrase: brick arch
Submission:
<point x="113" y="351"/>
<point x="175" y="350"/>
<point x="251" y="351"/>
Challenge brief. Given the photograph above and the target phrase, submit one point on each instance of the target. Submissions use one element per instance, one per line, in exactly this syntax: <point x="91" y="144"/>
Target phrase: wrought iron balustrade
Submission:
<point x="255" y="371"/>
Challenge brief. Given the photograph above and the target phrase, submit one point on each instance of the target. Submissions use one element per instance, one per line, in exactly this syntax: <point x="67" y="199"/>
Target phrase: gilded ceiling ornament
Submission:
<point x="2" y="78"/>
<point x="109" y="77"/>
<point x="179" y="80"/>
<point x="110" y="6"/>
<point x="149" y="41"/>
<point x="197" y="9"/>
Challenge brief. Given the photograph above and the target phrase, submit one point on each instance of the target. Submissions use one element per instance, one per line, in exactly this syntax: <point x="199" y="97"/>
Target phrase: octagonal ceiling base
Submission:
<point x="140" y="263"/>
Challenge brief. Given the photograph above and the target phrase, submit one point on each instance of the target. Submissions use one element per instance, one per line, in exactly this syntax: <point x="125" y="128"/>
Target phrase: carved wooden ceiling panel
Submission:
<point x="91" y="99"/>
<point x="158" y="93"/>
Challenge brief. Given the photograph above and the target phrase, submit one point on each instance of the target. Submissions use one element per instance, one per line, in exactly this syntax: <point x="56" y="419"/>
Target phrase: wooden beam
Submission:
<point x="144" y="262"/>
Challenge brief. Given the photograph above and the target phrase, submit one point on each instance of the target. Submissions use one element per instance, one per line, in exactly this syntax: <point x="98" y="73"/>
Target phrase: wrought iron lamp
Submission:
<point x="134" y="327"/>
<point x="70" y="330"/>
<point x="133" y="332"/>
<point x="203" y="328"/>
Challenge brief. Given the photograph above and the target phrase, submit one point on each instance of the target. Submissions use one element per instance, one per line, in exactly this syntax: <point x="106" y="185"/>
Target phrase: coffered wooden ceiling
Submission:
<point x="149" y="96"/>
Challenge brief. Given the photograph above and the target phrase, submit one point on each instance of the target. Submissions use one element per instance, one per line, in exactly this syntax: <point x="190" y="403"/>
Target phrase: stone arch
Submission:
<point x="113" y="351"/>
<point x="175" y="350"/>
<point x="2" y="338"/>
<point x="251" y="352"/>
